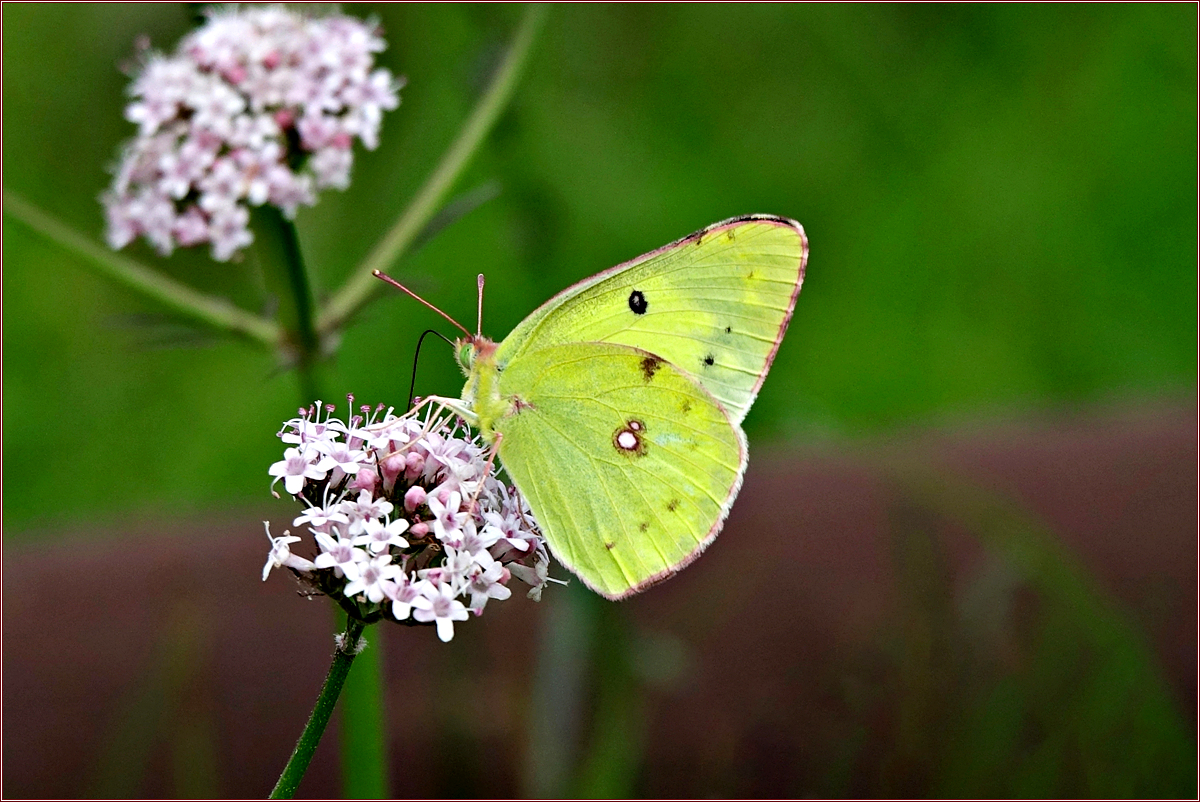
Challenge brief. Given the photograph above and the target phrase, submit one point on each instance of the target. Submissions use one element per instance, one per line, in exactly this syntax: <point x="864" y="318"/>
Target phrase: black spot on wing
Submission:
<point x="709" y="359"/>
<point x="673" y="505"/>
<point x="650" y="366"/>
<point x="686" y="406"/>
<point x="609" y="545"/>
<point x="643" y="526"/>
<point x="637" y="302"/>
<point x="728" y="329"/>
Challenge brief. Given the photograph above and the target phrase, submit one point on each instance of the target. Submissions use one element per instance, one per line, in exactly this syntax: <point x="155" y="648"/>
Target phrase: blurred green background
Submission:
<point x="1000" y="202"/>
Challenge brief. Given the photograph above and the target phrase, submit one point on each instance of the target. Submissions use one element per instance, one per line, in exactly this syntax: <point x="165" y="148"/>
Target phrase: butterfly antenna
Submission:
<point x="399" y="286"/>
<point x="479" y="319"/>
<point x="412" y="386"/>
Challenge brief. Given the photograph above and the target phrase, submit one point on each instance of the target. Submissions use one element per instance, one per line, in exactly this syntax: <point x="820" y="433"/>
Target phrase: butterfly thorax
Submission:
<point x="481" y="393"/>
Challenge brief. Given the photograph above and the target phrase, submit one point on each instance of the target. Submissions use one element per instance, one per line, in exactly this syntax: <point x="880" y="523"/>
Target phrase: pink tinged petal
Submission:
<point x="293" y="469"/>
<point x="340" y="555"/>
<point x="122" y="227"/>
<point x="422" y="609"/>
<point x="319" y="517"/>
<point x="331" y="166"/>
<point x="191" y="228"/>
<point x="272" y="562"/>
<point x="316" y="130"/>
<point x="297" y="563"/>
<point x="374" y="578"/>
<point x="343" y="457"/>
<point x="280" y="553"/>
<point x="230" y="232"/>
<point x="404" y="593"/>
<point x="487" y="585"/>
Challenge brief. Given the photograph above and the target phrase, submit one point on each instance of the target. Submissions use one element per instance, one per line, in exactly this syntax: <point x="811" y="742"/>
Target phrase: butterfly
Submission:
<point x="616" y="407"/>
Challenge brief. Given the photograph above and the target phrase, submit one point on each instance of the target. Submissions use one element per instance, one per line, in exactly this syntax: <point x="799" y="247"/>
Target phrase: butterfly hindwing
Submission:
<point x="714" y="304"/>
<point x="629" y="465"/>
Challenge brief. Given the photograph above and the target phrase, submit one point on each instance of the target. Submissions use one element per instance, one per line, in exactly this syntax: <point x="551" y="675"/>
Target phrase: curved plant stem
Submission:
<point x="359" y="289"/>
<point x="215" y="312"/>
<point x="293" y="772"/>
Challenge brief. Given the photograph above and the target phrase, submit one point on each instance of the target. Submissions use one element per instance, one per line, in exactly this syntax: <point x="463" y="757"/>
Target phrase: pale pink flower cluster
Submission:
<point x="260" y="105"/>
<point x="407" y="520"/>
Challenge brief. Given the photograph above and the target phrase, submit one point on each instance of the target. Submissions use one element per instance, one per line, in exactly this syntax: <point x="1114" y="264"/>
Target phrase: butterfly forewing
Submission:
<point x="714" y="304"/>
<point x="629" y="465"/>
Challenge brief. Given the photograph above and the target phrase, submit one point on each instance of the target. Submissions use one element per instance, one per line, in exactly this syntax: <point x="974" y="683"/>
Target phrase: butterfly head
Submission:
<point x="474" y="352"/>
<point x="477" y="358"/>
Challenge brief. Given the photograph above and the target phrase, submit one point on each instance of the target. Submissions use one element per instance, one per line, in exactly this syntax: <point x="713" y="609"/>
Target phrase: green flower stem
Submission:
<point x="293" y="772"/>
<point x="278" y="247"/>
<point x="362" y="284"/>
<point x="215" y="312"/>
<point x="363" y="732"/>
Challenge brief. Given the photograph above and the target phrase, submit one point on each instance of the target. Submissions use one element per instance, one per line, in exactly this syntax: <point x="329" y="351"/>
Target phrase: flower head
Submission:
<point x="259" y="105"/>
<point x="421" y="532"/>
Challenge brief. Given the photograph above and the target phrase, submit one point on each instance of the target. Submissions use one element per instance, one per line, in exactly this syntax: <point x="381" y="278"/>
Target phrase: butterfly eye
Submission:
<point x="466" y="356"/>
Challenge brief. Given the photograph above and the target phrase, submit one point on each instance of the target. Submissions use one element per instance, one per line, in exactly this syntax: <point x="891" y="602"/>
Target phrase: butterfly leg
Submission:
<point x="455" y="406"/>
<point x="487" y="469"/>
<point x="434" y="407"/>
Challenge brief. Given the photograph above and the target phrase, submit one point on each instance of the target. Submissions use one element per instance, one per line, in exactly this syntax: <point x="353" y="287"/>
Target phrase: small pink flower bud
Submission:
<point x="284" y="118"/>
<point x="414" y="498"/>
<point x="419" y="529"/>
<point x="414" y="465"/>
<point x="271" y="60"/>
<point x="341" y="140"/>
<point x="393" y="466"/>
<point x="366" y="479"/>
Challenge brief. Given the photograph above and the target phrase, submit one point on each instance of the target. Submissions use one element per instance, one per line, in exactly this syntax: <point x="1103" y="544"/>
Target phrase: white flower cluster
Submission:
<point x="407" y="519"/>
<point x="260" y="105"/>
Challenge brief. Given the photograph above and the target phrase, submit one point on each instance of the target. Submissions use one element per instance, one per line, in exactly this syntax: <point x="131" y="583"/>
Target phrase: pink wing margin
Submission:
<point x="787" y="318"/>
<point x="718" y="525"/>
